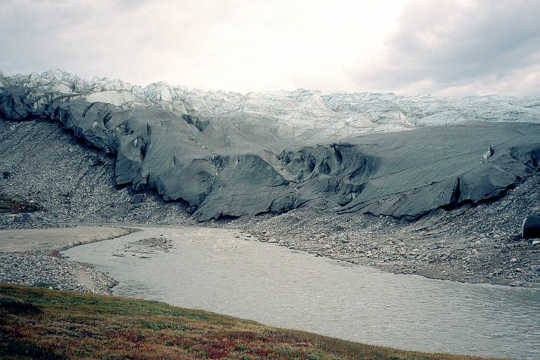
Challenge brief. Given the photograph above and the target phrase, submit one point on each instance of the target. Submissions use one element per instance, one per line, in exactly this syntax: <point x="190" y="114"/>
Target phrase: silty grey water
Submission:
<point x="222" y="271"/>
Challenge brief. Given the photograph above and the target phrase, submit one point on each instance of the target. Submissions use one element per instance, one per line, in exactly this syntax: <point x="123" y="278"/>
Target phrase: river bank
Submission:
<point x="32" y="257"/>
<point x="471" y="244"/>
<point x="468" y="245"/>
<point x="227" y="272"/>
<point x="40" y="323"/>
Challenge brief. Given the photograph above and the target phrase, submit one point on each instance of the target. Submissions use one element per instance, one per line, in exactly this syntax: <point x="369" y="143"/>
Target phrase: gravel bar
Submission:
<point x="45" y="270"/>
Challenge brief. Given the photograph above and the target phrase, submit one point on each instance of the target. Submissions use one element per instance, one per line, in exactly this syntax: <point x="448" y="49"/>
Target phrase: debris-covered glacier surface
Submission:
<point x="228" y="154"/>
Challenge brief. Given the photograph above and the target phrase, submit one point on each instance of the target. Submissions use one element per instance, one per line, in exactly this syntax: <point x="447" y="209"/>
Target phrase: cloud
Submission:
<point x="444" y="46"/>
<point x="39" y="35"/>
<point x="232" y="44"/>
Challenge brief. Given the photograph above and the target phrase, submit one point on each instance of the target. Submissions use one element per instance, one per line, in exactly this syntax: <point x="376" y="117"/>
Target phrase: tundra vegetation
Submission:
<point x="37" y="323"/>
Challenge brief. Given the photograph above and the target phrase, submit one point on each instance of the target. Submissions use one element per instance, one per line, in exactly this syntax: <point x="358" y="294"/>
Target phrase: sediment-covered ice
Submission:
<point x="231" y="154"/>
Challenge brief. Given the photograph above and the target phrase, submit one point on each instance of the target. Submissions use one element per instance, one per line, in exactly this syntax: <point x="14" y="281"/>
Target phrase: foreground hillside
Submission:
<point x="46" y="324"/>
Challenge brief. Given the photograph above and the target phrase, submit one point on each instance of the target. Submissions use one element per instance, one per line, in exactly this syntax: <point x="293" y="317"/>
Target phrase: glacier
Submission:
<point x="294" y="113"/>
<point x="227" y="154"/>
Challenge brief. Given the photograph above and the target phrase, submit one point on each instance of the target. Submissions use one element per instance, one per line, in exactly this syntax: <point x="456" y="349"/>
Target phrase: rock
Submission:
<point x="489" y="153"/>
<point x="531" y="227"/>
<point x="138" y="198"/>
<point x="22" y="218"/>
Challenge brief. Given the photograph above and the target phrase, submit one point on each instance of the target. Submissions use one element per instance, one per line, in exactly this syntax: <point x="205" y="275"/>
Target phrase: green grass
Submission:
<point x="37" y="323"/>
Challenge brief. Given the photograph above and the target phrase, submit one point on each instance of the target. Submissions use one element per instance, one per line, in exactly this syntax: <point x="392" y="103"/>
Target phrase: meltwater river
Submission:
<point x="222" y="271"/>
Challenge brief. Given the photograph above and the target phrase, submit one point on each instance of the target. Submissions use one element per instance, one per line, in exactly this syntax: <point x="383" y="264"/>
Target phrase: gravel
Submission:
<point x="74" y="184"/>
<point x="46" y="270"/>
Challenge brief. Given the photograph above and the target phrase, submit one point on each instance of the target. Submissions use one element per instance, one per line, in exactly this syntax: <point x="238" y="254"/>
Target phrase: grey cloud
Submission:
<point x="483" y="46"/>
<point x="76" y="35"/>
<point x="138" y="41"/>
<point x="449" y="43"/>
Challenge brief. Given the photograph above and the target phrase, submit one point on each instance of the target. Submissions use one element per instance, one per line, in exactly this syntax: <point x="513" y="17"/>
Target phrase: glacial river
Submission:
<point x="223" y="271"/>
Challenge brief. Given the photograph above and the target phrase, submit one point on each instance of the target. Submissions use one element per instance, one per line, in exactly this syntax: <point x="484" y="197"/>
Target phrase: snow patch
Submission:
<point x="117" y="98"/>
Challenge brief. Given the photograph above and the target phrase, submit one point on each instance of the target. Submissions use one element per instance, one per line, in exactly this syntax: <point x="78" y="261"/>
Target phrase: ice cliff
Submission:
<point x="228" y="154"/>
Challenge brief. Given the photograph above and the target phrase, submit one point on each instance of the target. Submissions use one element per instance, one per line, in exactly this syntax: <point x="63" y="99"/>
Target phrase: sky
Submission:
<point x="439" y="47"/>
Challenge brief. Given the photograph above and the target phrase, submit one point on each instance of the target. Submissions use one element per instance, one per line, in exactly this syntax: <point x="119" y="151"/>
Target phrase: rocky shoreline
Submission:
<point x="435" y="247"/>
<point x="53" y="272"/>
<point x="37" y="261"/>
<point x="473" y="244"/>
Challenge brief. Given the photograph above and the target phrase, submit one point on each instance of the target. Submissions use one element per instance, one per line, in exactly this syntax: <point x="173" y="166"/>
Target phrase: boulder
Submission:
<point x="138" y="198"/>
<point x="531" y="227"/>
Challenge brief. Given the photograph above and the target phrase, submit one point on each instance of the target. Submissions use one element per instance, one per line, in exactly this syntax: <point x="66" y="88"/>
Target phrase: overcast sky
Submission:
<point x="444" y="47"/>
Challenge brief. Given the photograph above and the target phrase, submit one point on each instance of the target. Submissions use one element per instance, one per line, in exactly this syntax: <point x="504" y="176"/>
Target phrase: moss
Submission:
<point x="16" y="307"/>
<point x="74" y="325"/>
<point x="26" y="350"/>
